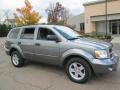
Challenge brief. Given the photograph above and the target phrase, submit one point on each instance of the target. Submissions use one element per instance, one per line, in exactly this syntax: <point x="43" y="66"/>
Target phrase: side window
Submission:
<point x="27" y="33"/>
<point x="14" y="33"/>
<point x="43" y="33"/>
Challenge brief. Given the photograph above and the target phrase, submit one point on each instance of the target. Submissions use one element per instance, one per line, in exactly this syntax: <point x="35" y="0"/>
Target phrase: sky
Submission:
<point x="75" y="6"/>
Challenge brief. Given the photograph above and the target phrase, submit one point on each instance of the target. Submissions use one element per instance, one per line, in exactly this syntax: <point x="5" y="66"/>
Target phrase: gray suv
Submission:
<point x="61" y="46"/>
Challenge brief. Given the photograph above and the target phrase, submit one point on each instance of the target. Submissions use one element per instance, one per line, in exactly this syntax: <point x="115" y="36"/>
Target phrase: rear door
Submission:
<point x="12" y="37"/>
<point x="26" y="42"/>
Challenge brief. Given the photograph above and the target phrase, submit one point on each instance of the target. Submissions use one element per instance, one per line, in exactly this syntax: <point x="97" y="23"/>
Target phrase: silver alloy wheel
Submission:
<point x="15" y="59"/>
<point x="77" y="71"/>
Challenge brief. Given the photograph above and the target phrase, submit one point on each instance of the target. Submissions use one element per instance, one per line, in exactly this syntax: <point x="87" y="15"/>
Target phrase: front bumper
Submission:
<point x="106" y="65"/>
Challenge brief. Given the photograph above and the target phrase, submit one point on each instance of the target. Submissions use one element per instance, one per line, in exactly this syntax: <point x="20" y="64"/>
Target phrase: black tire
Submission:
<point x="87" y="70"/>
<point x="20" y="59"/>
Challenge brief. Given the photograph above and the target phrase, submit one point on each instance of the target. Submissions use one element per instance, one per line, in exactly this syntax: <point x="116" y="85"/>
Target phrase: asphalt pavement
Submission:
<point x="36" y="76"/>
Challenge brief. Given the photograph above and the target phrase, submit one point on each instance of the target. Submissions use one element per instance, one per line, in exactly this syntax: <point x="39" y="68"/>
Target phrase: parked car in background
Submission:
<point x="59" y="45"/>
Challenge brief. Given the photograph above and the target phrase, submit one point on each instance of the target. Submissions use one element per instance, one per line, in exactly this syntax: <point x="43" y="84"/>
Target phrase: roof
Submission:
<point x="97" y="2"/>
<point x="38" y="26"/>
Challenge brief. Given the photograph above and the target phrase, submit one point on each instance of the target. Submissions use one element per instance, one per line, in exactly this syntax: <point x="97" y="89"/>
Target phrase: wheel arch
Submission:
<point x="72" y="56"/>
<point x="11" y="50"/>
<point x="87" y="57"/>
<point x="16" y="48"/>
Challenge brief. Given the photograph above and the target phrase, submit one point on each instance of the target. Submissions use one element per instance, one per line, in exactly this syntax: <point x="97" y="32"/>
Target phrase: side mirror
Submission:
<point x="53" y="38"/>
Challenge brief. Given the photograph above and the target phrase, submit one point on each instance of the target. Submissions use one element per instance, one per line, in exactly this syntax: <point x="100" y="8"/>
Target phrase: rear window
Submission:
<point x="27" y="33"/>
<point x="14" y="33"/>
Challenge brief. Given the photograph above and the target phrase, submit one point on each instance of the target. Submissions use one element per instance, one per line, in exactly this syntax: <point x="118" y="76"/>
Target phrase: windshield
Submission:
<point x="67" y="32"/>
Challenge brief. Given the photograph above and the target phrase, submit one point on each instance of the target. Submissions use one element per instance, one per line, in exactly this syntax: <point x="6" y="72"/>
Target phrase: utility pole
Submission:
<point x="106" y="18"/>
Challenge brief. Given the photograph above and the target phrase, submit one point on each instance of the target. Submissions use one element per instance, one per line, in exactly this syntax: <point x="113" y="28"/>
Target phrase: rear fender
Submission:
<point x="17" y="48"/>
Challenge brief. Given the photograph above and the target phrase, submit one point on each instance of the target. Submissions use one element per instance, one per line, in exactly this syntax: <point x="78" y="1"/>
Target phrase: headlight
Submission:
<point x="101" y="54"/>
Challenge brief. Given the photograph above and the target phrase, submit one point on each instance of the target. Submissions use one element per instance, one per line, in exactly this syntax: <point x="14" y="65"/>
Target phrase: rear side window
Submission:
<point x="14" y="33"/>
<point x="27" y="33"/>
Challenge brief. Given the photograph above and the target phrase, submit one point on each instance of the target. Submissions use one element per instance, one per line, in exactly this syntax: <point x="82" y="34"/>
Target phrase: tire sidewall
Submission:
<point x="20" y="61"/>
<point x="88" y="72"/>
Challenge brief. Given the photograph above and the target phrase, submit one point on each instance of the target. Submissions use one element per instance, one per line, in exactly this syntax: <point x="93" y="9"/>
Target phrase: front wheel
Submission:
<point x="16" y="59"/>
<point x="78" y="70"/>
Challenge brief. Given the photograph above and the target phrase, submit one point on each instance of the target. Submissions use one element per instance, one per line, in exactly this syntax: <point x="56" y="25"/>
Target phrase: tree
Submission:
<point x="27" y="16"/>
<point x="54" y="12"/>
<point x="66" y="15"/>
<point x="57" y="14"/>
<point x="6" y="14"/>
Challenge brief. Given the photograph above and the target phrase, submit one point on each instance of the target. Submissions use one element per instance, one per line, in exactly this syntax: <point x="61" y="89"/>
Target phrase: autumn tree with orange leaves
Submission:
<point x="26" y="16"/>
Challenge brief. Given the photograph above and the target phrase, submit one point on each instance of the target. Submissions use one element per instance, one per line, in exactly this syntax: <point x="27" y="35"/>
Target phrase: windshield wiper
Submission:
<point x="73" y="38"/>
<point x="80" y="36"/>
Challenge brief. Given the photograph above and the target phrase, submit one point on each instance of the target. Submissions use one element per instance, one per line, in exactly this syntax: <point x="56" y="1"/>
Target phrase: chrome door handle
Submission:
<point x="37" y="44"/>
<point x="19" y="43"/>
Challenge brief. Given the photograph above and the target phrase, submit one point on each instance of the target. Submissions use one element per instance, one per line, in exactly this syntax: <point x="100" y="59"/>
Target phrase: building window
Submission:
<point x="82" y="27"/>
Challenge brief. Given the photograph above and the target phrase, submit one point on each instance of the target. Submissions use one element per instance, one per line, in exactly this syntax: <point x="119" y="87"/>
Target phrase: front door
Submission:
<point x="114" y="28"/>
<point x="46" y="50"/>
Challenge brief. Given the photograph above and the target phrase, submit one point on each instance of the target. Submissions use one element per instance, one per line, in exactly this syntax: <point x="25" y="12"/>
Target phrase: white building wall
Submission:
<point x="75" y="21"/>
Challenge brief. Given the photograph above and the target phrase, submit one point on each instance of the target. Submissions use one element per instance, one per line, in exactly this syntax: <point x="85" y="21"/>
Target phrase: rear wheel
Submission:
<point x="78" y="70"/>
<point x="16" y="59"/>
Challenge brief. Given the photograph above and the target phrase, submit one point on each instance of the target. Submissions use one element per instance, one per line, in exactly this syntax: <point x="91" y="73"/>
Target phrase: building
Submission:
<point x="95" y="17"/>
<point x="9" y="22"/>
<point x="77" y="22"/>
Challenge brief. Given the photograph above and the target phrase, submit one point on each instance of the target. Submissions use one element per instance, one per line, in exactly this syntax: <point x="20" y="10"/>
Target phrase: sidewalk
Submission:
<point x="116" y="39"/>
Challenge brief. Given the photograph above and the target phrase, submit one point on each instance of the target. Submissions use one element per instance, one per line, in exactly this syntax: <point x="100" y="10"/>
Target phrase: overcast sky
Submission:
<point x="75" y="6"/>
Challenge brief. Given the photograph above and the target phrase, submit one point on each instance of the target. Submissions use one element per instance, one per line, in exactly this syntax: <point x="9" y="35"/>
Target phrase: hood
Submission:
<point x="99" y="44"/>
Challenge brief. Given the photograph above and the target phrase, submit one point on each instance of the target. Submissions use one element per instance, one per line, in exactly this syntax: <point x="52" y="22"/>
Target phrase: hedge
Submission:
<point x="4" y="29"/>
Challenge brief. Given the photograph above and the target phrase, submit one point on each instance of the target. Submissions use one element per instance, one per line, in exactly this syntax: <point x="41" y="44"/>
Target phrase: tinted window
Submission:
<point x="67" y="32"/>
<point x="27" y="33"/>
<point x="43" y="33"/>
<point x="13" y="34"/>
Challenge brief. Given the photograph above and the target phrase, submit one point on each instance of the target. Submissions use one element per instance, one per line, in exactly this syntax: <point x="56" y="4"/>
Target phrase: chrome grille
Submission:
<point x="110" y="52"/>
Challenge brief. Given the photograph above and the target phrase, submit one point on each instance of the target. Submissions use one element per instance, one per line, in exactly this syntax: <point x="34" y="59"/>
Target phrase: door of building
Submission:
<point x="115" y="27"/>
<point x="119" y="27"/>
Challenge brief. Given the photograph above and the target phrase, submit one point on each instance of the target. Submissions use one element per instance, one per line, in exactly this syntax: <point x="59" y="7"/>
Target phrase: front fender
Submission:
<point x="78" y="52"/>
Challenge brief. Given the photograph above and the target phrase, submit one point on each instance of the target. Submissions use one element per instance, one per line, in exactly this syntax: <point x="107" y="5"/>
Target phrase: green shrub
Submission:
<point x="108" y="37"/>
<point x="4" y="29"/>
<point x="99" y="36"/>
